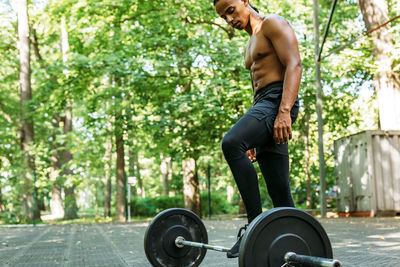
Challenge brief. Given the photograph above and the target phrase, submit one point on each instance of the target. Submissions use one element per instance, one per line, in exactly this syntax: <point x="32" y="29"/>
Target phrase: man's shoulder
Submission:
<point x="273" y="23"/>
<point x="274" y="18"/>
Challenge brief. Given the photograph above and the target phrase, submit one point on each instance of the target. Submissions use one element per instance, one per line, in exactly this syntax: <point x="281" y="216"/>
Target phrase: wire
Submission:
<point x="327" y="29"/>
<point x="357" y="38"/>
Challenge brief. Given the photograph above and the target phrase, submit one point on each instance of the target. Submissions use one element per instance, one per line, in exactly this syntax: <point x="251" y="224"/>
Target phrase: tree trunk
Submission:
<point x="2" y="207"/>
<point x="120" y="188"/>
<point x="386" y="81"/>
<point x="242" y="208"/>
<point x="230" y="192"/>
<point x="107" y="169"/>
<point x="164" y="174"/>
<point x="170" y="177"/>
<point x="132" y="167"/>
<point x="71" y="208"/>
<point x="140" y="184"/>
<point x="96" y="196"/>
<point x="56" y="206"/>
<point x="309" y="201"/>
<point x="26" y="131"/>
<point x="191" y="186"/>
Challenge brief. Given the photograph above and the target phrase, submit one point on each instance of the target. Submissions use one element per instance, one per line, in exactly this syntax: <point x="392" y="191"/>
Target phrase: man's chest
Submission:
<point x="257" y="47"/>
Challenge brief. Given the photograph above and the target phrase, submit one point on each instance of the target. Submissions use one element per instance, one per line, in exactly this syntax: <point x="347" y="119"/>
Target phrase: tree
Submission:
<point x="71" y="208"/>
<point x="26" y="131"/>
<point x="386" y="81"/>
<point x="163" y="81"/>
<point x="107" y="169"/>
<point x="120" y="172"/>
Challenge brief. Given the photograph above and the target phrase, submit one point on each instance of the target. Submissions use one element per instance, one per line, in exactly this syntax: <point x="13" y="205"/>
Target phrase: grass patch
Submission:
<point x="88" y="216"/>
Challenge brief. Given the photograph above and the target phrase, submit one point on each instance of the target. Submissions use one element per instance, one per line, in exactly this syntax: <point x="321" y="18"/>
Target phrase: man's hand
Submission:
<point x="283" y="127"/>
<point x="251" y="154"/>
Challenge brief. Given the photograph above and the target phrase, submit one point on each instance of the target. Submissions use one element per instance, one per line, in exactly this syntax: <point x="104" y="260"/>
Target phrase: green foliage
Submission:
<point x="9" y="218"/>
<point x="169" y="77"/>
<point x="149" y="207"/>
<point x="219" y="205"/>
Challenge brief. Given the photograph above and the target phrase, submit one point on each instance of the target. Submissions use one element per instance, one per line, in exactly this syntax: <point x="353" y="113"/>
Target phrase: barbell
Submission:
<point x="278" y="237"/>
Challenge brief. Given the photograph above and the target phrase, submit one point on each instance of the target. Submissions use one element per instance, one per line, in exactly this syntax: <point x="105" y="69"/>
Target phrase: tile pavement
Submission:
<point x="355" y="241"/>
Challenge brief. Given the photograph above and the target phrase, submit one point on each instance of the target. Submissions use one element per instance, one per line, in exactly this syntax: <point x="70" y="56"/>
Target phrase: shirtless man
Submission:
<point x="272" y="57"/>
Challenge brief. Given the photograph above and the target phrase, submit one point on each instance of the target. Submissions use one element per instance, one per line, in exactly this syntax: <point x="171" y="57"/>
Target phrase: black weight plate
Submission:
<point x="279" y="230"/>
<point x="159" y="239"/>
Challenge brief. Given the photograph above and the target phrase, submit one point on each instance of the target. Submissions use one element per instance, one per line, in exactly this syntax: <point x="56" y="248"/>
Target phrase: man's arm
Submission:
<point x="251" y="153"/>
<point x="252" y="85"/>
<point x="284" y="41"/>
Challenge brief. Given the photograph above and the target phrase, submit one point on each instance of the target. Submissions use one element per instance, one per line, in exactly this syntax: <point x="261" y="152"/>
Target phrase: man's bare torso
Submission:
<point x="262" y="61"/>
<point x="272" y="54"/>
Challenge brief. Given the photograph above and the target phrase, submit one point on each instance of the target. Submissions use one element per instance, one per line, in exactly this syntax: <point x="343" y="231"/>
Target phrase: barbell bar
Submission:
<point x="291" y="258"/>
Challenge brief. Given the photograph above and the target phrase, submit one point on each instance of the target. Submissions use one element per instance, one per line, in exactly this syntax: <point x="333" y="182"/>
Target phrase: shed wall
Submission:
<point x="367" y="168"/>
<point x="386" y="172"/>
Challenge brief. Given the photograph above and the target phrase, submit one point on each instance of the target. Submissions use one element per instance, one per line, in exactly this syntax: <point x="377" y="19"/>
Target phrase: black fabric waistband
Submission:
<point x="271" y="90"/>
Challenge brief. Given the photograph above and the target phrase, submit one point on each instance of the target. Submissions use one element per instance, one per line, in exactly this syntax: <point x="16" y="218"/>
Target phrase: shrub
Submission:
<point x="219" y="205"/>
<point x="149" y="207"/>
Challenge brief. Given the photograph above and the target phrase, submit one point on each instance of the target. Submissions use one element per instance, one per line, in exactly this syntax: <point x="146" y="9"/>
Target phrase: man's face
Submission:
<point x="233" y="12"/>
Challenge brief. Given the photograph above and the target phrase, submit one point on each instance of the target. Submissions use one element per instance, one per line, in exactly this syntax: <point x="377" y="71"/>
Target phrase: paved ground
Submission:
<point x="356" y="242"/>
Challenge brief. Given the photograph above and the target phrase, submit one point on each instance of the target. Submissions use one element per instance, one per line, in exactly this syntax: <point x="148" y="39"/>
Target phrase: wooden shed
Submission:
<point x="367" y="166"/>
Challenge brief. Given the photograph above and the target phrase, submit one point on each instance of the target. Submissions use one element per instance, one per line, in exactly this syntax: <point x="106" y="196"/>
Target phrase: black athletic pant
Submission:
<point x="255" y="130"/>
